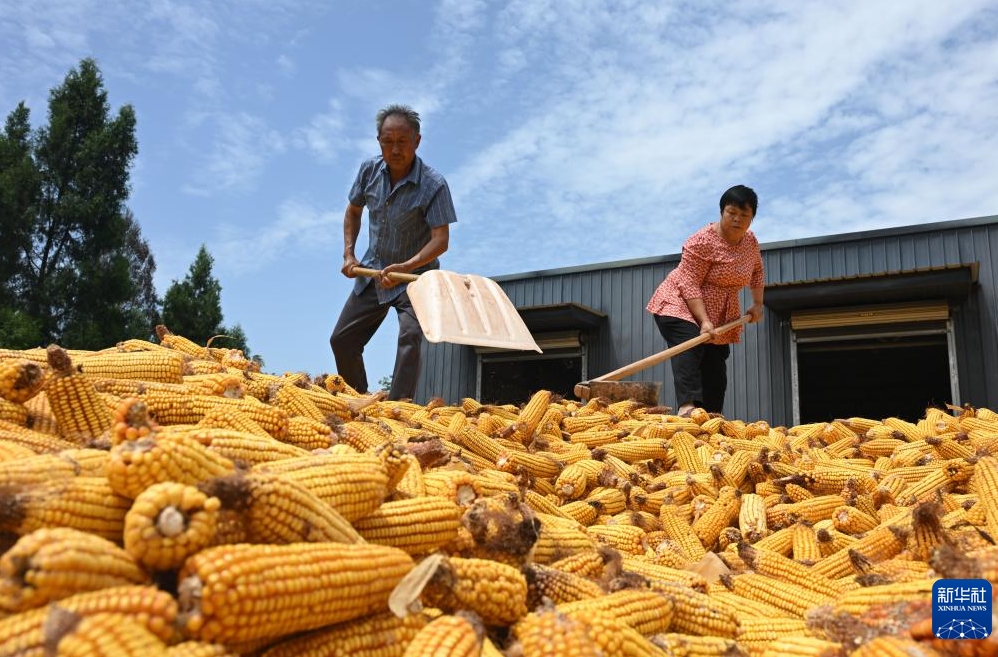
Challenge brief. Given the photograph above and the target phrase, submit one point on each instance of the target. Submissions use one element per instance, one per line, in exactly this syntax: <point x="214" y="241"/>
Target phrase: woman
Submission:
<point x="702" y="293"/>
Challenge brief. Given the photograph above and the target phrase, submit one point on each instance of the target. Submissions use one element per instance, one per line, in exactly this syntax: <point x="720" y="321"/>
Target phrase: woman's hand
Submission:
<point x="755" y="313"/>
<point x="707" y="326"/>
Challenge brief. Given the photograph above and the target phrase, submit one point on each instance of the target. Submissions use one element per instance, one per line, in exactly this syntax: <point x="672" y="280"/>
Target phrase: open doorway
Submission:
<point x="873" y="376"/>
<point x="513" y="379"/>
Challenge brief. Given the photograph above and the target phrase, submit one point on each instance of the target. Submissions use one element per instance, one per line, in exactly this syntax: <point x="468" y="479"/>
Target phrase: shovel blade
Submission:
<point x="468" y="309"/>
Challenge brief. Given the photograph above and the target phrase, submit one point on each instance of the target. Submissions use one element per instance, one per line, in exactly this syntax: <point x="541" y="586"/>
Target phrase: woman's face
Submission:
<point x="735" y="221"/>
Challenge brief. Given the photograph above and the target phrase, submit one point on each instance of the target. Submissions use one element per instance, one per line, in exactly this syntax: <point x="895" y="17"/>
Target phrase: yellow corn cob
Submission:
<point x="274" y="420"/>
<point x="627" y="539"/>
<point x="804" y="646"/>
<point x="550" y="633"/>
<point x="752" y="517"/>
<point x="135" y="465"/>
<point x="169" y="522"/>
<point x="231" y="418"/>
<point x="632" y="451"/>
<point x="784" y="595"/>
<point x="79" y="410"/>
<point x="647" y="612"/>
<point x="576" y="478"/>
<point x="597" y="436"/>
<point x="199" y="649"/>
<point x="497" y="592"/>
<point x="556" y="585"/>
<point x="419" y="525"/>
<point x="894" y="646"/>
<point x="695" y="612"/>
<point x="36" y="441"/>
<point x="589" y="563"/>
<point x="37" y="468"/>
<point x="810" y="510"/>
<point x="411" y="484"/>
<point x="243" y="448"/>
<point x="161" y="365"/>
<point x="353" y="484"/>
<point x="10" y="451"/>
<point x="278" y="510"/>
<point x="180" y="343"/>
<point x="308" y="434"/>
<point x="779" y="567"/>
<point x="613" y="637"/>
<point x="741" y="607"/>
<point x="657" y="572"/>
<point x="24" y="634"/>
<point x="100" y="635"/>
<point x="881" y="543"/>
<point x="684" y="447"/>
<point x="850" y="520"/>
<point x="806" y="548"/>
<point x="530" y="417"/>
<point x="860" y="600"/>
<point x="244" y="592"/>
<point x="85" y="503"/>
<point x="218" y="383"/>
<point x="20" y="379"/>
<point x="296" y="401"/>
<point x="681" y="532"/>
<point x="362" y="436"/>
<point x="722" y="513"/>
<point x="458" y="635"/>
<point x="377" y="635"/>
<point x="53" y="563"/>
<point x="755" y="634"/>
<point x="612" y="500"/>
<point x="556" y="541"/>
<point x="536" y="464"/>
<point x="686" y="645"/>
<point x="985" y="482"/>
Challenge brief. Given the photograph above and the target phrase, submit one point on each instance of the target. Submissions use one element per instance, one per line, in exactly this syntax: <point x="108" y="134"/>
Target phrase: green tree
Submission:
<point x="76" y="270"/>
<point x="193" y="307"/>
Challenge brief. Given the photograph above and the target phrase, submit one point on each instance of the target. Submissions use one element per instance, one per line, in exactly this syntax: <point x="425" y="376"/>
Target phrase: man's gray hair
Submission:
<point x="406" y="112"/>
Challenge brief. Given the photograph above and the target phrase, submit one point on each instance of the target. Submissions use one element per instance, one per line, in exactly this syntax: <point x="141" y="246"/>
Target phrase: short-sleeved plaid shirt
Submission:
<point x="715" y="271"/>
<point x="399" y="218"/>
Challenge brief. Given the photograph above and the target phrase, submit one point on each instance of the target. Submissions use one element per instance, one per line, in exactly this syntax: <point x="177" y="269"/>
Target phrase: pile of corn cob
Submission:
<point x="168" y="499"/>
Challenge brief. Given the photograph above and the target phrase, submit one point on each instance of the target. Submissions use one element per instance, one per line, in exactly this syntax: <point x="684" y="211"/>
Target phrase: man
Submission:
<point x="409" y="210"/>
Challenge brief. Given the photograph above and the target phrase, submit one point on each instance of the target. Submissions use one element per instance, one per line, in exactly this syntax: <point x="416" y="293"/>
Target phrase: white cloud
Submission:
<point x="242" y="147"/>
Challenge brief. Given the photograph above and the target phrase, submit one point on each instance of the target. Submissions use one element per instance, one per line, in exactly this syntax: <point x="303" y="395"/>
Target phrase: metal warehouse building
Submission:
<point x="873" y="324"/>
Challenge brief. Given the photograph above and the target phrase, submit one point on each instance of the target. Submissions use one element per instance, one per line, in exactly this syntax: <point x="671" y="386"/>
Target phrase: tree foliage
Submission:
<point x="193" y="307"/>
<point x="76" y="269"/>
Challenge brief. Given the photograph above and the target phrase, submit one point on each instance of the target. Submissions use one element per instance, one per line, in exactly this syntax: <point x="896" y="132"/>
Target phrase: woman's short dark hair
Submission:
<point x="740" y="196"/>
<point x="406" y="112"/>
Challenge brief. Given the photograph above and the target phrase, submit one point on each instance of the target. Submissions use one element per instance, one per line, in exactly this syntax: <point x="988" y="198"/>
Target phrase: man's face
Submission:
<point x="398" y="143"/>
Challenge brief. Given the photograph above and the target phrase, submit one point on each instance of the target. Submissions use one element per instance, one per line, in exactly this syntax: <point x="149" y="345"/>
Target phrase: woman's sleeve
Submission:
<point x="692" y="270"/>
<point x="758" y="276"/>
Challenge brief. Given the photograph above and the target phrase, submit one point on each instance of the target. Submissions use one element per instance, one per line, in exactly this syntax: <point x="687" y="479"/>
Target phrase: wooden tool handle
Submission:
<point x="655" y="359"/>
<point x="395" y="276"/>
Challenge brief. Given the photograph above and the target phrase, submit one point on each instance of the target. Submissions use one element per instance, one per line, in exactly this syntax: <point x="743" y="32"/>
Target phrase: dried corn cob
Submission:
<point x="278" y="510"/>
<point x="76" y="405"/>
<point x="169" y="522"/>
<point x="20" y="379"/>
<point x="458" y="635"/>
<point x="53" y="563"/>
<point x="136" y="465"/>
<point x="85" y="503"/>
<point x="418" y="525"/>
<point x="550" y="633"/>
<point x="162" y="365"/>
<point x="244" y="592"/>
<point x="100" y="635"/>
<point x="495" y="591"/>
<point x="24" y="634"/>
<point x="377" y="635"/>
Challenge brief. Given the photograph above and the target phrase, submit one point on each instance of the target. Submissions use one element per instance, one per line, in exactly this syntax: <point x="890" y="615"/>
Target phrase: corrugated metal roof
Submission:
<point x="973" y="266"/>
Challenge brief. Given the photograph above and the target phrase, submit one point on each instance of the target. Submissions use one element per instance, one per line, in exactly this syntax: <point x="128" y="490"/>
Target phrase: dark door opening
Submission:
<point x="513" y="381"/>
<point x="873" y="377"/>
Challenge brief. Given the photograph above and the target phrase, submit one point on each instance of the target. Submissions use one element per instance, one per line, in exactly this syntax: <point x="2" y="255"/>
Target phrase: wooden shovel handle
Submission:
<point x="395" y="276"/>
<point x="655" y="359"/>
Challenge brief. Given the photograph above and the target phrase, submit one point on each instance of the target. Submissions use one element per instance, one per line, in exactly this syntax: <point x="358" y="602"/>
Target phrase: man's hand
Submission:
<point x="349" y="262"/>
<point x="387" y="281"/>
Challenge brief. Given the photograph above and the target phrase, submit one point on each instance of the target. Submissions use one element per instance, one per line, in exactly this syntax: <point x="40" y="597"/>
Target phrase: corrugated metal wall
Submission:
<point x="759" y="385"/>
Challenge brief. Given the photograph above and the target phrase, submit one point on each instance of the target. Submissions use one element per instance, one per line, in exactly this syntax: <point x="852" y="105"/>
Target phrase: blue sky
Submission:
<point x="570" y="131"/>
